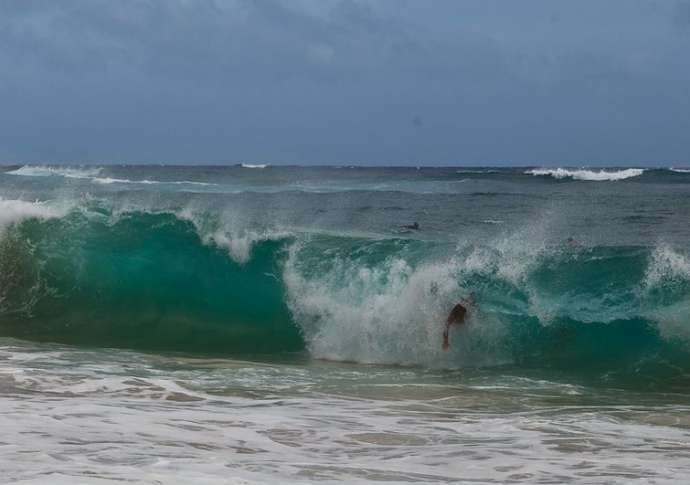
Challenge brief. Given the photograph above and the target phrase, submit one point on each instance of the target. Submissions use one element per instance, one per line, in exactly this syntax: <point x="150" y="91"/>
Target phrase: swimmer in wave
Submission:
<point x="457" y="316"/>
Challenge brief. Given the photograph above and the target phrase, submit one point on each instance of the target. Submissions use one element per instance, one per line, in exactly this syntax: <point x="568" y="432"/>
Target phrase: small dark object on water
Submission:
<point x="414" y="226"/>
<point x="456" y="316"/>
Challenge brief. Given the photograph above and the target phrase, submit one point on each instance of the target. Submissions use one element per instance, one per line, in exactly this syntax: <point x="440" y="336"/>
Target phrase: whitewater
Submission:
<point x="256" y="323"/>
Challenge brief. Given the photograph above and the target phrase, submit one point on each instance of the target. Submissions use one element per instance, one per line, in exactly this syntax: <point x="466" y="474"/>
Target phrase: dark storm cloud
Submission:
<point x="336" y="81"/>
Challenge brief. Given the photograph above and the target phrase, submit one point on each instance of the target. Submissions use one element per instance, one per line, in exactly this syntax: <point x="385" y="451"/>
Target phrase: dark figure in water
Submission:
<point x="456" y="316"/>
<point x="414" y="226"/>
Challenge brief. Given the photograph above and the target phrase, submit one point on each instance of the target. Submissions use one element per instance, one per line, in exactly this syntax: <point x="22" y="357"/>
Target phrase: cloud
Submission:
<point x="225" y="41"/>
<point x="335" y="80"/>
<point x="681" y="14"/>
<point x="232" y="38"/>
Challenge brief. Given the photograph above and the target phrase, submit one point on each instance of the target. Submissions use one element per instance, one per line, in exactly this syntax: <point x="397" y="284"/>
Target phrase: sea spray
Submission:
<point x="587" y="174"/>
<point x="151" y="280"/>
<point x="209" y="317"/>
<point x="264" y="268"/>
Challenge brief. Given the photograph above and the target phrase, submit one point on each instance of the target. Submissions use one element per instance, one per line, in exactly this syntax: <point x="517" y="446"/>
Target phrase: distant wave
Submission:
<point x="589" y="175"/>
<point x="90" y="173"/>
<point x="45" y="171"/>
<point x="477" y="171"/>
<point x="110" y="180"/>
<point x="254" y="165"/>
<point x="680" y="170"/>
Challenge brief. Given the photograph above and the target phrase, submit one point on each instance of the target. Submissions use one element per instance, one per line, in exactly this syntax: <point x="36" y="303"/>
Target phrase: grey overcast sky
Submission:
<point x="579" y="82"/>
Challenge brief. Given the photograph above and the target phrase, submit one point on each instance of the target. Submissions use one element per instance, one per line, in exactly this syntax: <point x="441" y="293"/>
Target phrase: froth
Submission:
<point x="13" y="211"/>
<point x="391" y="313"/>
<point x="394" y="312"/>
<point x="92" y="174"/>
<point x="666" y="265"/>
<point x="111" y="180"/>
<point x="45" y="171"/>
<point x="589" y="175"/>
<point x="229" y="231"/>
<point x="667" y="276"/>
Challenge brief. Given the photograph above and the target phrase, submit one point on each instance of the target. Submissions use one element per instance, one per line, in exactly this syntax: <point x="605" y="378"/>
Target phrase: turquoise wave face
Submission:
<point x="145" y="281"/>
<point x="162" y="281"/>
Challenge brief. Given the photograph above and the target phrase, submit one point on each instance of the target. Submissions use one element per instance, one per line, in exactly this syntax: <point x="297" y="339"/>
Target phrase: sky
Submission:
<point x="371" y="82"/>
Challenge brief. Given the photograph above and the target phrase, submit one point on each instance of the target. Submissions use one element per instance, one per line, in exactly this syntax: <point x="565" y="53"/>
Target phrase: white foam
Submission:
<point x="672" y="321"/>
<point x="254" y="165"/>
<point x="666" y="265"/>
<point x="13" y="211"/>
<point x="391" y="313"/>
<point x="668" y="268"/>
<point x="238" y="243"/>
<point x="110" y="180"/>
<point x="181" y="182"/>
<point x="229" y="232"/>
<point x="47" y="171"/>
<point x="585" y="174"/>
<point x="356" y="313"/>
<point x="477" y="171"/>
<point x="92" y="174"/>
<point x="680" y="170"/>
<point x="110" y="416"/>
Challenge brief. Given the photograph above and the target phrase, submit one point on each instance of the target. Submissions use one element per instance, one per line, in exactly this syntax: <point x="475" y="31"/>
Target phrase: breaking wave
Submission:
<point x="585" y="174"/>
<point x="192" y="281"/>
<point x="48" y="171"/>
<point x="93" y="174"/>
<point x="13" y="211"/>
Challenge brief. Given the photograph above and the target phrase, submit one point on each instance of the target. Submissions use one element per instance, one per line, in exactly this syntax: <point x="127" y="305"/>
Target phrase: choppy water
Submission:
<point x="284" y="325"/>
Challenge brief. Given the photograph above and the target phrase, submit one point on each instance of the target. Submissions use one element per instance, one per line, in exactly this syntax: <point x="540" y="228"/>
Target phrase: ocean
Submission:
<point x="276" y="324"/>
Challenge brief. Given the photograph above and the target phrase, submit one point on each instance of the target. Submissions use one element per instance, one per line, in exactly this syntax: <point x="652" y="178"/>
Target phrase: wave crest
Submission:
<point x="48" y="171"/>
<point x="589" y="175"/>
<point x="666" y="265"/>
<point x="13" y="211"/>
<point x="93" y="174"/>
<point x="229" y="232"/>
<point x="163" y="279"/>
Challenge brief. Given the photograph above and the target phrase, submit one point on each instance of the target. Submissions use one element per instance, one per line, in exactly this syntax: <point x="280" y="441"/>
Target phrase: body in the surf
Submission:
<point x="457" y="316"/>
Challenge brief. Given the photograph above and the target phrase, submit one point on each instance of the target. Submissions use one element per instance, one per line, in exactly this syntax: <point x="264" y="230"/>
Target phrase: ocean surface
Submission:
<point x="268" y="324"/>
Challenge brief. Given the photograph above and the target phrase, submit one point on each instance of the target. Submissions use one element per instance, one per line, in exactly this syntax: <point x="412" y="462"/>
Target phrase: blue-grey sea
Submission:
<point x="273" y="324"/>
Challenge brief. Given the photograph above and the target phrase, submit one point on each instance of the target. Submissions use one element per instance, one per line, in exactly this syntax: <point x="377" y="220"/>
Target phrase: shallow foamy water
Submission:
<point x="80" y="416"/>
